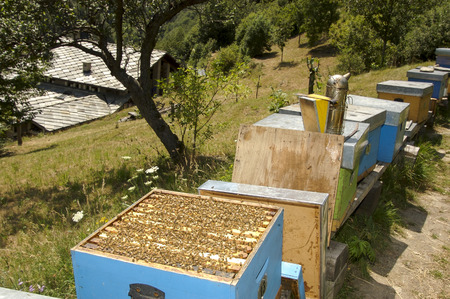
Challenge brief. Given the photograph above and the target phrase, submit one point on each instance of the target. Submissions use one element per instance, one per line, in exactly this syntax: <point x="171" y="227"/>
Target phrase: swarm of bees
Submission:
<point x="187" y="232"/>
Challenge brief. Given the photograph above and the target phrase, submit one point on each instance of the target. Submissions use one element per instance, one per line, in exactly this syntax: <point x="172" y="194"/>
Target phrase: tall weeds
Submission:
<point x="368" y="235"/>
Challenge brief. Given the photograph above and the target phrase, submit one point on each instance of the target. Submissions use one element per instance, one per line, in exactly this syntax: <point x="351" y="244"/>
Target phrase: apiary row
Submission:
<point x="291" y="188"/>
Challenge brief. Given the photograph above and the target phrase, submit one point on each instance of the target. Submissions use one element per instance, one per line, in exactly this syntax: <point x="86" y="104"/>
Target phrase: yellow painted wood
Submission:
<point x="315" y="112"/>
<point x="418" y="106"/>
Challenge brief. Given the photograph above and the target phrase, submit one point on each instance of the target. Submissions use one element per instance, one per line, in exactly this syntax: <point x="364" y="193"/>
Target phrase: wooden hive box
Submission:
<point x="356" y="136"/>
<point x="178" y="245"/>
<point x="417" y="94"/>
<point x="438" y="78"/>
<point x="393" y="129"/>
<point x="305" y="225"/>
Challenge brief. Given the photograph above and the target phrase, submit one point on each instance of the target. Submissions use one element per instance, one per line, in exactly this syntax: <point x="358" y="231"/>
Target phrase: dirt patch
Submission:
<point x="416" y="263"/>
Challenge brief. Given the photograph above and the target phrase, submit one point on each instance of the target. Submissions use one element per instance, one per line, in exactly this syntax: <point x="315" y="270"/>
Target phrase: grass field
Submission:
<point x="99" y="168"/>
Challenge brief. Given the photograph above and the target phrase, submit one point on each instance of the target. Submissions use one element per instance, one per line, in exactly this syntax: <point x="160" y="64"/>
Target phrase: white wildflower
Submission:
<point x="124" y="197"/>
<point x="148" y="183"/>
<point x="78" y="216"/>
<point x="133" y="178"/>
<point x="152" y="170"/>
<point x="141" y="170"/>
<point x="155" y="177"/>
<point x="131" y="189"/>
<point x="126" y="157"/>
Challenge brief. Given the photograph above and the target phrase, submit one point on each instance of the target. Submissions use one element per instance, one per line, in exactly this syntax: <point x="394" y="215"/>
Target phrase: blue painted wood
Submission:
<point x="393" y="130"/>
<point x="369" y="156"/>
<point x="294" y="272"/>
<point x="437" y="90"/>
<point x="99" y="276"/>
<point x="270" y="250"/>
<point x="438" y="78"/>
<point x="391" y="141"/>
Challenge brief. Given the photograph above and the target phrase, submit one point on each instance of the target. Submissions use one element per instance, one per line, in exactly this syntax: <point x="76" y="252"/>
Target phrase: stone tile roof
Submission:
<point x="68" y="65"/>
<point x="62" y="107"/>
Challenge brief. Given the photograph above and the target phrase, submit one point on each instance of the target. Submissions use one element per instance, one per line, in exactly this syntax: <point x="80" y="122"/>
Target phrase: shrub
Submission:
<point x="227" y="59"/>
<point x="278" y="100"/>
<point x="253" y="35"/>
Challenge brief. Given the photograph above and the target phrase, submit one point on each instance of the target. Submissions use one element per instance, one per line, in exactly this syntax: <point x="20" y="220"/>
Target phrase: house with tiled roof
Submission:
<point x="79" y="87"/>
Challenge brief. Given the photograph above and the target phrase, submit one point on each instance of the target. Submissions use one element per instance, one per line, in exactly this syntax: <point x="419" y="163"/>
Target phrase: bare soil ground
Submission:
<point x="416" y="263"/>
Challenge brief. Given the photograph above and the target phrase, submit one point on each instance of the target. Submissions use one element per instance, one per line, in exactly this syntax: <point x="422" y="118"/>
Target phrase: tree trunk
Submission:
<point x="148" y="110"/>
<point x="312" y="78"/>
<point x="383" y="52"/>
<point x="19" y="134"/>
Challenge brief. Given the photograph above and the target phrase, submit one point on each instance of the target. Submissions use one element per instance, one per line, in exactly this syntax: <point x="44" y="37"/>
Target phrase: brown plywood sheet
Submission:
<point x="289" y="159"/>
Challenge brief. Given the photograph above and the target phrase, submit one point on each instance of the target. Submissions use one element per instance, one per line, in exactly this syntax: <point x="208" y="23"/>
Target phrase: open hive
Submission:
<point x="194" y="233"/>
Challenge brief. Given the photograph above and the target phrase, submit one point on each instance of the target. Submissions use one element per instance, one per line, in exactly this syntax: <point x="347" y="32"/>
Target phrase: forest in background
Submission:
<point x="367" y="35"/>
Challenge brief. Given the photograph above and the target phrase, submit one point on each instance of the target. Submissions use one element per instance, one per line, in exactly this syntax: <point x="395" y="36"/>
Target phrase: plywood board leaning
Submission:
<point x="289" y="159"/>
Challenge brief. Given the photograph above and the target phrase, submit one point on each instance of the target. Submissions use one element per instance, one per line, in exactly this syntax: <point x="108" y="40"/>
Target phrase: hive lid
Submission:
<point x="294" y="196"/>
<point x="411" y="88"/>
<point x="375" y="117"/>
<point x="371" y="115"/>
<point x="433" y="76"/>
<point x="396" y="112"/>
<point x="442" y="51"/>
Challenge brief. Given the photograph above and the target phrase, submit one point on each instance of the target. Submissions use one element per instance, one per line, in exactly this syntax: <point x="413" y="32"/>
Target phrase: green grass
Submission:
<point x="53" y="176"/>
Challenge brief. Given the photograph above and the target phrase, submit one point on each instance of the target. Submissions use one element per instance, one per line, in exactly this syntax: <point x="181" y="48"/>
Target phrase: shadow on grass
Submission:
<point x="287" y="64"/>
<point x="323" y="51"/>
<point x="43" y="208"/>
<point x="266" y="56"/>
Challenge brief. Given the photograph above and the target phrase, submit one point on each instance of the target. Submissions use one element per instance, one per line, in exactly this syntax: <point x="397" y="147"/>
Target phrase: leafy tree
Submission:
<point x="217" y="19"/>
<point x="195" y="98"/>
<point x="318" y="16"/>
<point x="350" y="35"/>
<point x="429" y="31"/>
<point x="114" y="20"/>
<point x="389" y="19"/>
<point x="283" y="24"/>
<point x="180" y="36"/>
<point x="26" y="37"/>
<point x="253" y="35"/>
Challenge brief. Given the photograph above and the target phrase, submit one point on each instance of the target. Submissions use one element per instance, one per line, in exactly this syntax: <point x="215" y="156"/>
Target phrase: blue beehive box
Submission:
<point x="393" y="129"/>
<point x="178" y="245"/>
<point x="375" y="117"/>
<point x="443" y="57"/>
<point x="438" y="78"/>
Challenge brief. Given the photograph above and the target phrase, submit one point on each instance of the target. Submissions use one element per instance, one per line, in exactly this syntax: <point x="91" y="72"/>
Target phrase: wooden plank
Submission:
<point x="291" y="159"/>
